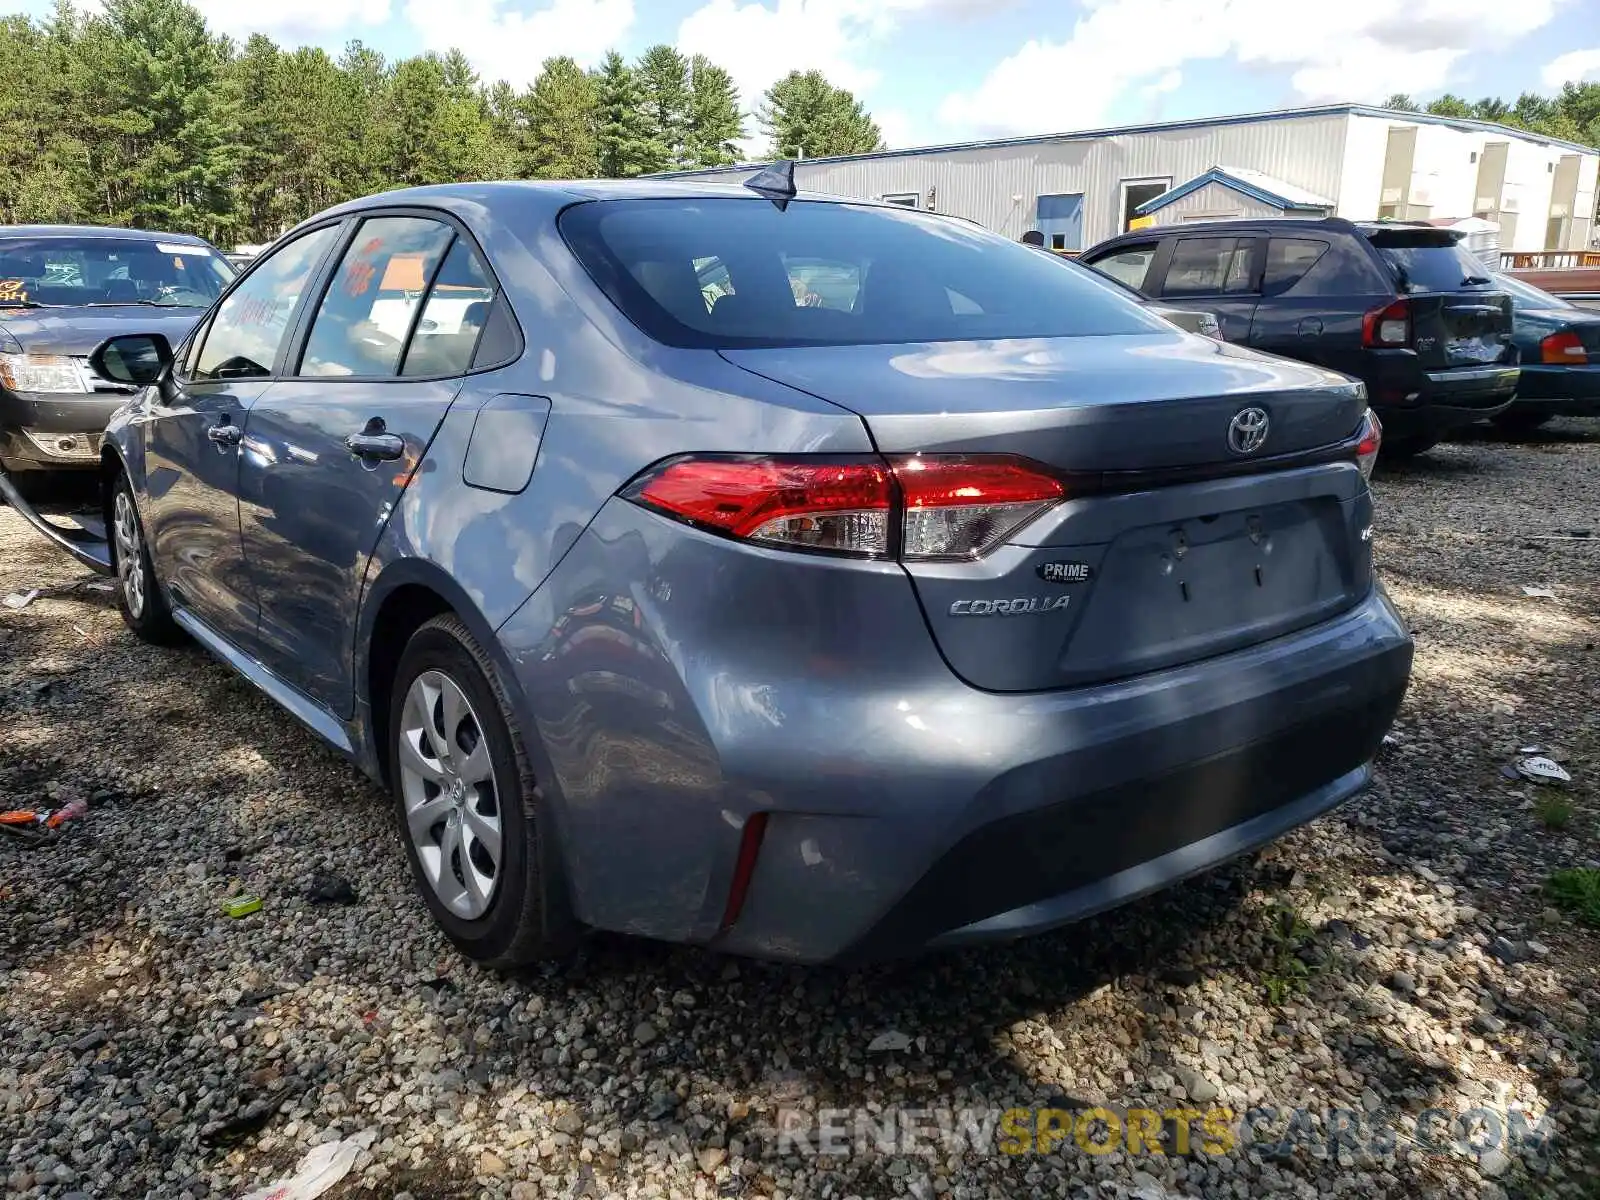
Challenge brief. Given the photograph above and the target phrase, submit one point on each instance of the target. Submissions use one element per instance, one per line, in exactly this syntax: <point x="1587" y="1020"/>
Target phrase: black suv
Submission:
<point x="1403" y="307"/>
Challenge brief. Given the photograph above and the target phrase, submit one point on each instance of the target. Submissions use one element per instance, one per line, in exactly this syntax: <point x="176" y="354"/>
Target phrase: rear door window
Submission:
<point x="1129" y="265"/>
<point x="731" y="272"/>
<point x="1288" y="260"/>
<point x="361" y="326"/>
<point x="453" y="318"/>
<point x="1423" y="260"/>
<point x="1209" y="267"/>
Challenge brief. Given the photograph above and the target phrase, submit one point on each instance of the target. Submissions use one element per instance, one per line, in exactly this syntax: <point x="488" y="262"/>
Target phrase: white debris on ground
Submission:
<point x="1396" y="957"/>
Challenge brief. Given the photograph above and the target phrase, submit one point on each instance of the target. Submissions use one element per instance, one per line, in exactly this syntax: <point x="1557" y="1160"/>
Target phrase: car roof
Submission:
<point x="1270" y="225"/>
<point x="530" y="197"/>
<point x="1238" y="225"/>
<point x="111" y="231"/>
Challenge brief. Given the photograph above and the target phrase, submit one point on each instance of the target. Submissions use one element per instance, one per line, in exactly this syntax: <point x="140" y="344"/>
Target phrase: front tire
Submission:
<point x="139" y="597"/>
<point x="466" y="802"/>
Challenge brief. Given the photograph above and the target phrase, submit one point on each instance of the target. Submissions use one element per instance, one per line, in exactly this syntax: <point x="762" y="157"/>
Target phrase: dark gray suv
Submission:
<point x="808" y="579"/>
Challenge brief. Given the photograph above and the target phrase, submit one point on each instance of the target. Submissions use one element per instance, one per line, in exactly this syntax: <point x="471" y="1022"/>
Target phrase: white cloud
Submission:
<point x="1122" y="45"/>
<point x="291" y="20"/>
<point x="1574" y="66"/>
<point x="760" y="41"/>
<point x="503" y="43"/>
<point x="1169" y="82"/>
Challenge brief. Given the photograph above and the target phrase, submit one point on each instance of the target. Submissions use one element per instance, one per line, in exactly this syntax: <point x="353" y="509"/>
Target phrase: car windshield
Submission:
<point x="727" y="273"/>
<point x="1525" y="295"/>
<point x="1429" y="261"/>
<point x="65" y="271"/>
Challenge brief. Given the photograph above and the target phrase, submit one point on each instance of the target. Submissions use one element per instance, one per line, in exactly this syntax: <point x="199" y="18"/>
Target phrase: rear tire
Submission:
<point x="139" y="596"/>
<point x="1514" y="420"/>
<point x="468" y="808"/>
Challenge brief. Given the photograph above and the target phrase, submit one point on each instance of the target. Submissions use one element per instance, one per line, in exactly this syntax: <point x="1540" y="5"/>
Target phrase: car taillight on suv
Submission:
<point x="924" y="508"/>
<point x="1388" y="327"/>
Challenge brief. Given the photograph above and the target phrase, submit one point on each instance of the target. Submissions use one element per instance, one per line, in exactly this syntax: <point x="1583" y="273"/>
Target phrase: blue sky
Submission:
<point x="945" y="70"/>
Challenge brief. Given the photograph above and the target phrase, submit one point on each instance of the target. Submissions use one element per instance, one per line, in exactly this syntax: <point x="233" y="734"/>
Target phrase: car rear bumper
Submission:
<point x="903" y="808"/>
<point x="1429" y="404"/>
<point x="1559" y="390"/>
<point x="53" y="431"/>
<point x="1170" y="777"/>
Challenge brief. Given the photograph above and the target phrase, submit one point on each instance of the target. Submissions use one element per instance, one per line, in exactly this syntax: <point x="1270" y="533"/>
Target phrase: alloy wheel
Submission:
<point x="130" y="562"/>
<point x="447" y="782"/>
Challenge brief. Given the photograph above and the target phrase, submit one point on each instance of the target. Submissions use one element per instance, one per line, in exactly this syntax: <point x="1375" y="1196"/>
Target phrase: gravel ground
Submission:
<point x="1395" y="957"/>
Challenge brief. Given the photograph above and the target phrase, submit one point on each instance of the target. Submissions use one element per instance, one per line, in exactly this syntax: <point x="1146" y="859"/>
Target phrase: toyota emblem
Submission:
<point x="1247" y="432"/>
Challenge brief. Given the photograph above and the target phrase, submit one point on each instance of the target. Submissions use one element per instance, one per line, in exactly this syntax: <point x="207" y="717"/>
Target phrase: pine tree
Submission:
<point x="255" y="81"/>
<point x="663" y="76"/>
<point x="622" y="135"/>
<point x="365" y="81"/>
<point x="157" y="71"/>
<point x="715" y="124"/>
<point x="563" y="112"/>
<point x="806" y="116"/>
<point x="416" y="153"/>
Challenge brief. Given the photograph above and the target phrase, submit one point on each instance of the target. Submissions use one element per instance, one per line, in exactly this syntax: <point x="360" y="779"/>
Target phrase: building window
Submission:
<point x="904" y="199"/>
<point x="1140" y="191"/>
<point x="1058" y="241"/>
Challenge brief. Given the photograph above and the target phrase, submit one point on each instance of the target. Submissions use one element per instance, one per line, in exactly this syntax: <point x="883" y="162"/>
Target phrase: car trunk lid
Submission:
<point x="1172" y="544"/>
<point x="1121" y="403"/>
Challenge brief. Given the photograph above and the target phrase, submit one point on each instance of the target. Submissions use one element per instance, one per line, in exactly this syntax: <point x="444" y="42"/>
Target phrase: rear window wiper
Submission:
<point x="129" y="303"/>
<point x="25" y="304"/>
<point x="1471" y="280"/>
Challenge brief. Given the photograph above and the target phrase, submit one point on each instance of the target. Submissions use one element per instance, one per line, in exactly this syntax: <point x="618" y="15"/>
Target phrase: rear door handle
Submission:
<point x="384" y="447"/>
<point x="225" y="435"/>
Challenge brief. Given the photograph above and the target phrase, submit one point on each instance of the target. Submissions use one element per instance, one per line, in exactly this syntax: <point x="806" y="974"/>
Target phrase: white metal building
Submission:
<point x="1348" y="160"/>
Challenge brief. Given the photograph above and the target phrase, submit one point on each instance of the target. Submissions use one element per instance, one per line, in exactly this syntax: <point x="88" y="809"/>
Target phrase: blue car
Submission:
<point x="1560" y="345"/>
<point x="803" y="578"/>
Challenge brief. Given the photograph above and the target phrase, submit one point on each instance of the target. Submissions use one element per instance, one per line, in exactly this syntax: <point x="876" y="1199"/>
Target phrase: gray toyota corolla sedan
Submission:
<point x="804" y="578"/>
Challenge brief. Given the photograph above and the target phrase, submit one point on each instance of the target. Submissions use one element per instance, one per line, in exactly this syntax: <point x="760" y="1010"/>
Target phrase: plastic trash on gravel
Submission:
<point x="321" y="1168"/>
<point x="1538" y="593"/>
<point x="20" y="600"/>
<point x="1543" y="770"/>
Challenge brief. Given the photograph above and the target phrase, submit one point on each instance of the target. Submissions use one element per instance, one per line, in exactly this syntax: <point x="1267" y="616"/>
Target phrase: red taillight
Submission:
<point x="1564" y="348"/>
<point x="963" y="507"/>
<point x="926" y="507"/>
<point x="1367" y="447"/>
<point x="838" y="505"/>
<point x="1387" y="327"/>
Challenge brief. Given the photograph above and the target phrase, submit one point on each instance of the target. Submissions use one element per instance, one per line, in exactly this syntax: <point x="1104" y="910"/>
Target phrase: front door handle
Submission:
<point x="225" y="435"/>
<point x="383" y="447"/>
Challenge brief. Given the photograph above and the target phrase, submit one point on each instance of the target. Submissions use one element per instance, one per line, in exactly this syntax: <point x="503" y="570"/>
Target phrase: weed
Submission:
<point x="1577" y="891"/>
<point x="1554" y="810"/>
<point x="1290" y="967"/>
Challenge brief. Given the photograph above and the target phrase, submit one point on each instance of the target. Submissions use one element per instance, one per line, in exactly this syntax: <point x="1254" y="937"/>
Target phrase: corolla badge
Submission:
<point x="1020" y="607"/>
<point x="1247" y="432"/>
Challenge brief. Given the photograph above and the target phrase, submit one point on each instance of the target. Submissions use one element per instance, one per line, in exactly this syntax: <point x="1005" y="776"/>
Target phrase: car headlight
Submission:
<point x="41" y="373"/>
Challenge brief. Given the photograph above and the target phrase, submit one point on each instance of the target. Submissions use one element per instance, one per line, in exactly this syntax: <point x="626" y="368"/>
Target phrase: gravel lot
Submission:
<point x="1395" y="957"/>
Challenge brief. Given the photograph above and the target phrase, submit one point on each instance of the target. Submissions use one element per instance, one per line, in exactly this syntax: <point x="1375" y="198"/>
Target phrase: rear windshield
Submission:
<point x="1423" y="261"/>
<point x="68" y="270"/>
<point x="728" y="273"/>
<point x="1525" y="295"/>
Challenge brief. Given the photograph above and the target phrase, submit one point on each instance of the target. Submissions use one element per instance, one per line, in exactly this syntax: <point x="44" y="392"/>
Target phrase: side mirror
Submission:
<point x="137" y="358"/>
